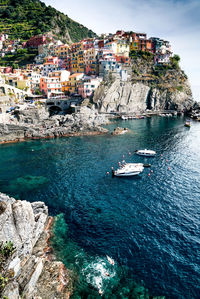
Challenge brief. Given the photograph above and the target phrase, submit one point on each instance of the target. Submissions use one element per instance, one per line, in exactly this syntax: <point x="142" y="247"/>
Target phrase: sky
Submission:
<point x="177" y="21"/>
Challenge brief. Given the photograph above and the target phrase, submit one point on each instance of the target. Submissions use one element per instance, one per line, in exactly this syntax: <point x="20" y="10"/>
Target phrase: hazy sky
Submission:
<point x="175" y="20"/>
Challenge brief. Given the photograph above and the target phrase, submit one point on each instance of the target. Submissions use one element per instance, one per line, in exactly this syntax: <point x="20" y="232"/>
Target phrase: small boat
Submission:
<point x="145" y="152"/>
<point x="187" y="123"/>
<point x="128" y="169"/>
<point x="110" y="260"/>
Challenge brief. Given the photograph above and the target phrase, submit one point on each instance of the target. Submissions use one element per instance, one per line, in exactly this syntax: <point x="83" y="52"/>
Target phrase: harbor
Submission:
<point x="69" y="175"/>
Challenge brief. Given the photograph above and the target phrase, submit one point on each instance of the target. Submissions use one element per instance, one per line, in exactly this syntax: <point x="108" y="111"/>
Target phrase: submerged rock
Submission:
<point x="27" y="182"/>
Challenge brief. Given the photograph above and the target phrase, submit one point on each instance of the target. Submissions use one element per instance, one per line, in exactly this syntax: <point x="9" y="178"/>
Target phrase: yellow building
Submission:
<point x="74" y="62"/>
<point x="65" y="86"/>
<point x="81" y="62"/>
<point x="72" y="86"/>
<point x="62" y="51"/>
<point x="134" y="46"/>
<point x="123" y="48"/>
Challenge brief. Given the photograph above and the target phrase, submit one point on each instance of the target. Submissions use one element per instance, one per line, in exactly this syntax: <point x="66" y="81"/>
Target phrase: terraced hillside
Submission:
<point x="25" y="18"/>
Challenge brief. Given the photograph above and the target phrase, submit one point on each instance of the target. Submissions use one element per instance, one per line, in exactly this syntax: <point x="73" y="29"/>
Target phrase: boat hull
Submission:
<point x="146" y="155"/>
<point x="126" y="174"/>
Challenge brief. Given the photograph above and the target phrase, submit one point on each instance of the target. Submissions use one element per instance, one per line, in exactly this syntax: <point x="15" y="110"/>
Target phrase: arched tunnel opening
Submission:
<point x="149" y="100"/>
<point x="54" y="110"/>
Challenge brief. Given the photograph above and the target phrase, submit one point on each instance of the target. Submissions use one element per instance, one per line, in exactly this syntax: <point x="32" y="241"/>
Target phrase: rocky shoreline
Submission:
<point x="36" y="124"/>
<point x="35" y="271"/>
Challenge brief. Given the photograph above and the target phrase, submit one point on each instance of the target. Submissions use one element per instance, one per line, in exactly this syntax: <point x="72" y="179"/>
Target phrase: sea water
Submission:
<point x="149" y="224"/>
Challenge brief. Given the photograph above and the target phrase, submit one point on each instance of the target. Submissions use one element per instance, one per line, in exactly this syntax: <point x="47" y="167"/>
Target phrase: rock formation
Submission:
<point x="36" y="124"/>
<point x="120" y="131"/>
<point x="148" y="87"/>
<point x="128" y="97"/>
<point x="36" y="274"/>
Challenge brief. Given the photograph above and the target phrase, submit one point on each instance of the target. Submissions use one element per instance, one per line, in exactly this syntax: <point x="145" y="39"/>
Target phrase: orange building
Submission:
<point x="50" y="86"/>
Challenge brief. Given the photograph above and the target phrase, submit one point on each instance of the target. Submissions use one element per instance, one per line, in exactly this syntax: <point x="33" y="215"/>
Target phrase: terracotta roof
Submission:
<point x="76" y="75"/>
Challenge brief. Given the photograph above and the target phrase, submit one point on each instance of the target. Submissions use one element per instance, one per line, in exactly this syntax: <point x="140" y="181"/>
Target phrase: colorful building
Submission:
<point x="35" y="80"/>
<point x="111" y="46"/>
<point x="87" y="44"/>
<point x="50" y="86"/>
<point x="87" y="86"/>
<point x="51" y="65"/>
<point x="62" y="51"/>
<point x="123" y="47"/>
<point x="72" y="85"/>
<point x="122" y="59"/>
<point x="139" y="42"/>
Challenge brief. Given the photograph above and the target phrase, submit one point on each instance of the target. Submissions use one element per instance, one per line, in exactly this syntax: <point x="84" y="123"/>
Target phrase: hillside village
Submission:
<point x="77" y="69"/>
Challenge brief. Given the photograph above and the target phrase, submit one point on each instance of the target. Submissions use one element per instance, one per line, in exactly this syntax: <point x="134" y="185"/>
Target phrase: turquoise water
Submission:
<point x="148" y="224"/>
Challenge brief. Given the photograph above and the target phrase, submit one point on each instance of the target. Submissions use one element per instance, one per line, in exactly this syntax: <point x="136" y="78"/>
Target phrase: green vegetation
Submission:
<point x="145" y="55"/>
<point x="135" y="71"/>
<point x="175" y="61"/>
<point x="6" y="250"/>
<point x="3" y="282"/>
<point x="25" y="18"/>
<point x="38" y="92"/>
<point x="179" y="88"/>
<point x="21" y="58"/>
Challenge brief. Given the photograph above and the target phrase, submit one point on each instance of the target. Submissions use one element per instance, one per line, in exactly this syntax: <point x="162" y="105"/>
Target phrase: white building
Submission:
<point x="35" y="80"/>
<point x="112" y="46"/>
<point x="163" y="54"/>
<point x="49" y="67"/>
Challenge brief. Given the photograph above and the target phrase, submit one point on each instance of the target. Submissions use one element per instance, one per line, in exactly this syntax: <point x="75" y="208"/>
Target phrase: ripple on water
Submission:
<point x="149" y="225"/>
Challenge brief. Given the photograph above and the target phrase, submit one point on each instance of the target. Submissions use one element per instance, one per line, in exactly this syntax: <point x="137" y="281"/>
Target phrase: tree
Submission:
<point x="176" y="57"/>
<point x="15" y="66"/>
<point x="175" y="61"/>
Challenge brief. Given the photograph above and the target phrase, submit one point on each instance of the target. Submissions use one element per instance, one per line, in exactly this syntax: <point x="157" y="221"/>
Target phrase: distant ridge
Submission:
<point x="25" y="18"/>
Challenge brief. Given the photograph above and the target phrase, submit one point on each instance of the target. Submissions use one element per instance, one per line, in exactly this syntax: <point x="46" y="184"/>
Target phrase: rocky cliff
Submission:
<point x="148" y="87"/>
<point x="31" y="271"/>
<point x="36" y="124"/>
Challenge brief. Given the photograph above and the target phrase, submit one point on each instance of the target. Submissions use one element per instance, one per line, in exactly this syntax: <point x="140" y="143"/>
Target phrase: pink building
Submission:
<point x="87" y="86"/>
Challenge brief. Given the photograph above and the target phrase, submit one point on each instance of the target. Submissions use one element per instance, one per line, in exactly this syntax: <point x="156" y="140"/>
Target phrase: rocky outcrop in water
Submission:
<point x="120" y="131"/>
<point x="35" y="273"/>
<point x="36" y="124"/>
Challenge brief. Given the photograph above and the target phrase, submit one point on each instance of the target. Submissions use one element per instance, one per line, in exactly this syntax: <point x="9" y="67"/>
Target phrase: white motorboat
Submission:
<point x="129" y="169"/>
<point x="124" y="117"/>
<point x="145" y="152"/>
